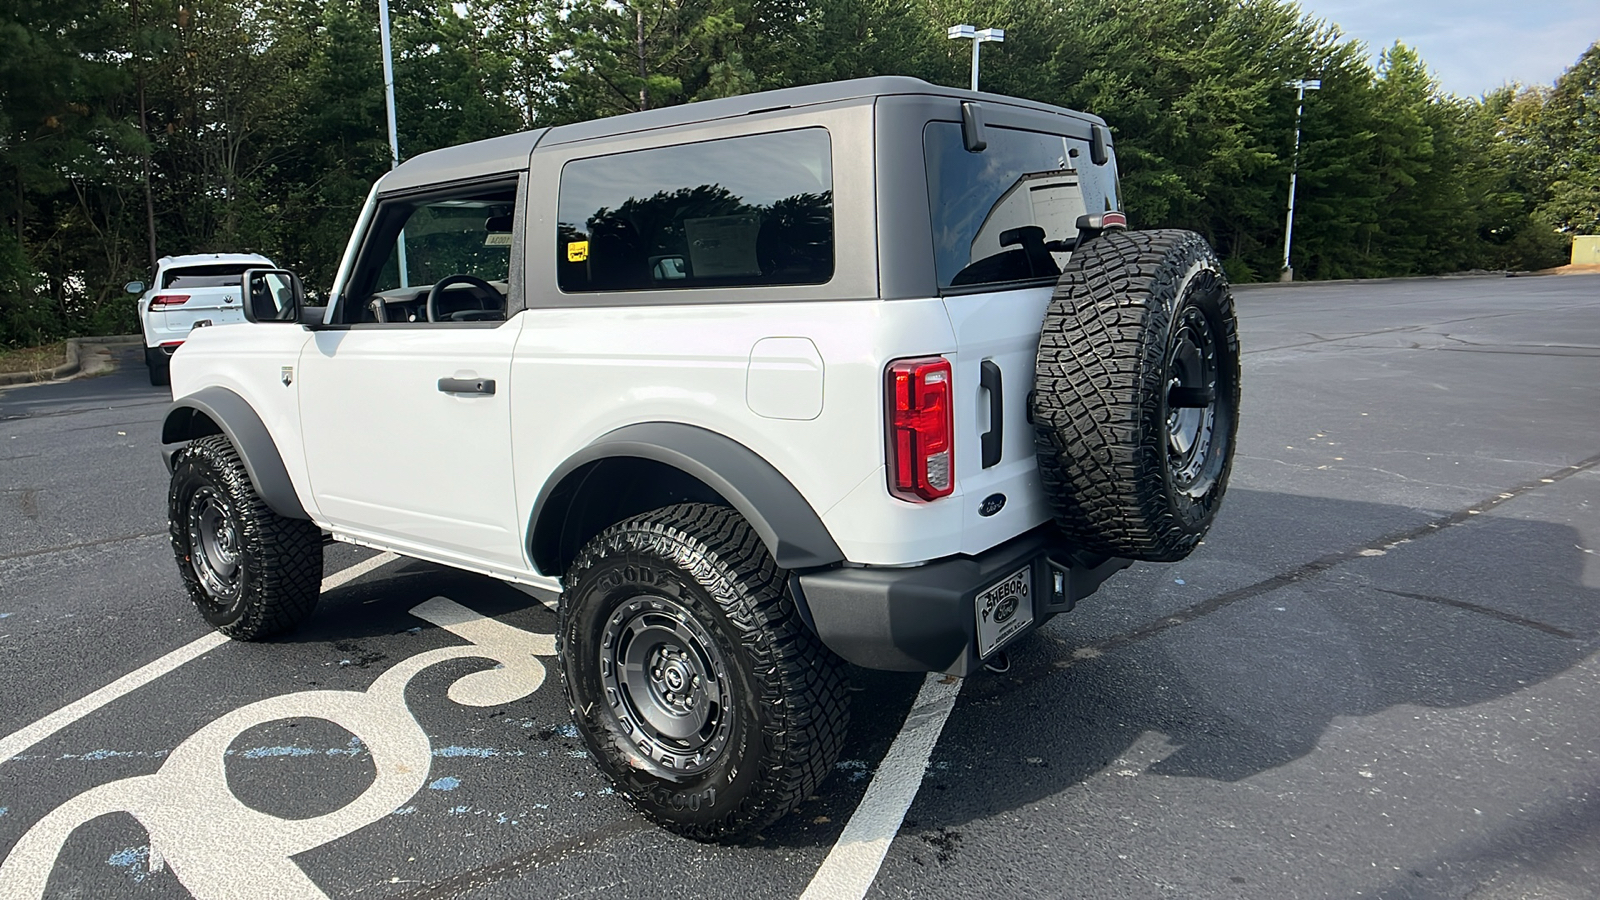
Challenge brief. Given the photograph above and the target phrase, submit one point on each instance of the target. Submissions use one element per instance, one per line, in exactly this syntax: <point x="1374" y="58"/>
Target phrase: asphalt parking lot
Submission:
<point x="1378" y="677"/>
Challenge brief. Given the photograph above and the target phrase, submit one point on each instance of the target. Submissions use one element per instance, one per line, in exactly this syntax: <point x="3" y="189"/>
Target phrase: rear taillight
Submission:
<point x="161" y="300"/>
<point x="921" y="429"/>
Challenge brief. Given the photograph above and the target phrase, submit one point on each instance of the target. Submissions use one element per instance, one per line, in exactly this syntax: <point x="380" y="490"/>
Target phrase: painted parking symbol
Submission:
<point x="220" y="848"/>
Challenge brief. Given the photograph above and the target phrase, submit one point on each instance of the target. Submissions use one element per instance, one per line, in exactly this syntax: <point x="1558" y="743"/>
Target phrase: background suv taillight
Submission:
<point x="161" y="300"/>
<point x="922" y="462"/>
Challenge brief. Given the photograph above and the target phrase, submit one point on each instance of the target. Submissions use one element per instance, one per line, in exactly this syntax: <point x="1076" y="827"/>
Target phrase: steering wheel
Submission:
<point x="482" y="290"/>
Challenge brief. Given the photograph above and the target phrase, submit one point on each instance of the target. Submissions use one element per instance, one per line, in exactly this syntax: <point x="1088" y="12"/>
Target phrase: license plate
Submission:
<point x="1004" y="610"/>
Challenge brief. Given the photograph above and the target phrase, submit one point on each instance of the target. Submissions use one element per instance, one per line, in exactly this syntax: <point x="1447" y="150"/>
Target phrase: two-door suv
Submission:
<point x="868" y="372"/>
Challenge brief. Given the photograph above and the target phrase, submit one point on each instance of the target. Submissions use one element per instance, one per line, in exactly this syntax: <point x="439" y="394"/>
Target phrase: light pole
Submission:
<point x="394" y="136"/>
<point x="967" y="32"/>
<point x="1302" y="85"/>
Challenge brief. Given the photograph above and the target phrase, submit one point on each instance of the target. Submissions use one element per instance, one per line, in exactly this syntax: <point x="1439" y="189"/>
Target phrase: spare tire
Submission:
<point x="1136" y="396"/>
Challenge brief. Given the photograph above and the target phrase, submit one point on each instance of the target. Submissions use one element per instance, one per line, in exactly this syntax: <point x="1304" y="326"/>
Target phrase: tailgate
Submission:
<point x="1003" y="215"/>
<point x="998" y="339"/>
<point x="212" y="305"/>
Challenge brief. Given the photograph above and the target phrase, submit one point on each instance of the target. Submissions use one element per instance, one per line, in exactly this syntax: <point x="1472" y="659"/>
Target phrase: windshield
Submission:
<point x="1009" y="212"/>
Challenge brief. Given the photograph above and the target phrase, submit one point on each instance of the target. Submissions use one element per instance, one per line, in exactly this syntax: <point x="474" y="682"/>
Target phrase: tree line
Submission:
<point x="145" y="128"/>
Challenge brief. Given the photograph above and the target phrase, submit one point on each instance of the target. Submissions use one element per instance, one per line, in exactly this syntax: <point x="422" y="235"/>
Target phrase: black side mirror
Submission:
<point x="134" y="287"/>
<point x="272" y="295"/>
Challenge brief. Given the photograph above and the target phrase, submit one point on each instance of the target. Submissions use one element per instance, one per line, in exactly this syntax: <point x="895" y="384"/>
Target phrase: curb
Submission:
<point x="1264" y="285"/>
<point x="74" y="362"/>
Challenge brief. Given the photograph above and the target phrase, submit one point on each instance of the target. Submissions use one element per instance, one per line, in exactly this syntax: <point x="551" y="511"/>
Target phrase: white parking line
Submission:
<point x="852" y="865"/>
<point x="16" y="742"/>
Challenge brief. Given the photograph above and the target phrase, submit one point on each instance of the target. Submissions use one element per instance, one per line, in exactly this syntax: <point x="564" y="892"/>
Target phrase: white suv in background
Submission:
<point x="189" y="292"/>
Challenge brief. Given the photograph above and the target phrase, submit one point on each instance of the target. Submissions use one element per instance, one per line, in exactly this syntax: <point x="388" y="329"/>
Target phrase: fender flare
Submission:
<point x="232" y="415"/>
<point x="792" y="531"/>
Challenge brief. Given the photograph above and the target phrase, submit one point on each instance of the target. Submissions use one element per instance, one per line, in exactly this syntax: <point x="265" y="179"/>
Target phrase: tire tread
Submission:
<point x="803" y="691"/>
<point x="1098" y="389"/>
<point x="283" y="556"/>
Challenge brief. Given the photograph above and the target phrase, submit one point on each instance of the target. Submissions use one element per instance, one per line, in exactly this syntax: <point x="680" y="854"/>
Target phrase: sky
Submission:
<point x="1473" y="46"/>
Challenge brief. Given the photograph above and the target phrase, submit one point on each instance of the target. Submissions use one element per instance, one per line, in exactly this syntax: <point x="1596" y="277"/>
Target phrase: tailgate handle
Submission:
<point x="467" y="385"/>
<point x="989" y="380"/>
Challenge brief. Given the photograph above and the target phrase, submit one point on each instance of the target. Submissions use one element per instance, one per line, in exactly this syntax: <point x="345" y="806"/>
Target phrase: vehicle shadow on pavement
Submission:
<point x="356" y="618"/>
<point x="1461" y="617"/>
<point x="380" y="604"/>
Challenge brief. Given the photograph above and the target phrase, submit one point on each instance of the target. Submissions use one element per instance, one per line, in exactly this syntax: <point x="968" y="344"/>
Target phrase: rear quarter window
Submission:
<point x="754" y="210"/>
<point x="1022" y="179"/>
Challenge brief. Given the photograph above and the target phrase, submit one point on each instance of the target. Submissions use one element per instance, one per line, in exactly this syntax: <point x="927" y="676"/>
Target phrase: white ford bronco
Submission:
<point x="867" y="372"/>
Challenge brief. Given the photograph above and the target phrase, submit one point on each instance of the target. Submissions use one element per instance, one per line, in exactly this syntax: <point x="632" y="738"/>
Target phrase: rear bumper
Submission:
<point x="923" y="619"/>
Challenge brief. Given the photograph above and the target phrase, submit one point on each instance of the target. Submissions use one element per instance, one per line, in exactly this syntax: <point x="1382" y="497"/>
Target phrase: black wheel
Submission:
<point x="160" y="366"/>
<point x="1137" y="394"/>
<point x="251" y="572"/>
<point x="695" y="684"/>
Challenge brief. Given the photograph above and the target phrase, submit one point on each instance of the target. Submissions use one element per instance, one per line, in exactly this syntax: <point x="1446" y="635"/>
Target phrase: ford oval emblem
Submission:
<point x="991" y="504"/>
<point x="1006" y="609"/>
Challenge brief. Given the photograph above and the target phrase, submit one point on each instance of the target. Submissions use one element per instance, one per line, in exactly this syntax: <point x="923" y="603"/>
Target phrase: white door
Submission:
<point x="408" y="437"/>
<point x="406" y="395"/>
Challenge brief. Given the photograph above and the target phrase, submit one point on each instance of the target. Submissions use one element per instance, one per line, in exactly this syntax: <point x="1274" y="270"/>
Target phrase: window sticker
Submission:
<point x="723" y="246"/>
<point x="577" y="251"/>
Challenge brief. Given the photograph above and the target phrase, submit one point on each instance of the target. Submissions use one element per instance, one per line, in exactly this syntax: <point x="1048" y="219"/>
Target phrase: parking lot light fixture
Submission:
<point x="968" y="32"/>
<point x="1302" y="85"/>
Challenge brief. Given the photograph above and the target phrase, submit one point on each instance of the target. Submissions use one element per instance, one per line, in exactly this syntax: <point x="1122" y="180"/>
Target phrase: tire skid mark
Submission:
<point x="1511" y="618"/>
<point x="513" y="867"/>
<point x="110" y="425"/>
<point x="1408" y="329"/>
<point x="1322" y="564"/>
<point x="63" y="548"/>
<point x="78" y="411"/>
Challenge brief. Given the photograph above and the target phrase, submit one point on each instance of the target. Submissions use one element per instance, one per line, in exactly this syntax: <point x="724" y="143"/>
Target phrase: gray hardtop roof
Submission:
<point x="508" y="154"/>
<point x="462" y="162"/>
<point x="808" y="95"/>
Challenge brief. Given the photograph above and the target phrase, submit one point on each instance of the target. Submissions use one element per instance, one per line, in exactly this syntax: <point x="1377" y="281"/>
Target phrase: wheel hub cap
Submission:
<point x="214" y="545"/>
<point x="1191" y="422"/>
<point x="666" y="685"/>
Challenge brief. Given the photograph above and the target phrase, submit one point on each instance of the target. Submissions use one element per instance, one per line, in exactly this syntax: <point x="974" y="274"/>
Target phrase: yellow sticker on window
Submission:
<point x="578" y="251"/>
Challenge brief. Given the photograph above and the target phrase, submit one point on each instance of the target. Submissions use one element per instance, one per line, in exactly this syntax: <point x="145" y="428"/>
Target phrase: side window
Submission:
<point x="740" y="211"/>
<point x="438" y="259"/>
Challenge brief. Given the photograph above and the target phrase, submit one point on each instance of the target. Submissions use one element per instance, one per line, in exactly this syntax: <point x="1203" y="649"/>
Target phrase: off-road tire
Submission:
<point x="1135" y="315"/>
<point x="160" y="366"/>
<point x="276" y="561"/>
<point x="702" y="570"/>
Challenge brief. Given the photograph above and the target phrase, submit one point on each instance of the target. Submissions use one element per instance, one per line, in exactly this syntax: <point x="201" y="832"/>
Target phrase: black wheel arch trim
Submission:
<point x="233" y="416"/>
<point x="781" y="516"/>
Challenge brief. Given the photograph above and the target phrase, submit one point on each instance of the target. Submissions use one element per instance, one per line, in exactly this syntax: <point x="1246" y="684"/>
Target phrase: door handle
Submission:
<point x="467" y="385"/>
<point x="989" y="380"/>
